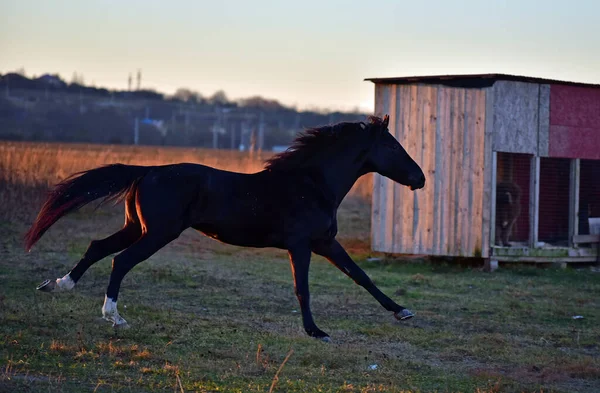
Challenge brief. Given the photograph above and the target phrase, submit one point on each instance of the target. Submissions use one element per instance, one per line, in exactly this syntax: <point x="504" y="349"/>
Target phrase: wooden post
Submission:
<point x="493" y="202"/>
<point x="574" y="200"/>
<point x="489" y="180"/>
<point x="534" y="201"/>
<point x="490" y="265"/>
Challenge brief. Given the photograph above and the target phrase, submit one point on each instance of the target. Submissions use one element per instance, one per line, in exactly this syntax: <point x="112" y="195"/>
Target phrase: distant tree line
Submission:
<point x="47" y="108"/>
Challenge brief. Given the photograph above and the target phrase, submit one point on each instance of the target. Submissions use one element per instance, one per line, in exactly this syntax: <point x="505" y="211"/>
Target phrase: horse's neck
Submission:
<point x="343" y="172"/>
<point x="339" y="177"/>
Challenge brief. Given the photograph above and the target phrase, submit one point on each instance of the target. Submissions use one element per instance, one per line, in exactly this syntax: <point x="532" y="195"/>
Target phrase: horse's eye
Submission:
<point x="395" y="146"/>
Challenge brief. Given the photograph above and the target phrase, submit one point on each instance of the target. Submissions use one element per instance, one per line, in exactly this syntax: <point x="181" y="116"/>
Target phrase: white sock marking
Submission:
<point x="110" y="313"/>
<point x="65" y="284"/>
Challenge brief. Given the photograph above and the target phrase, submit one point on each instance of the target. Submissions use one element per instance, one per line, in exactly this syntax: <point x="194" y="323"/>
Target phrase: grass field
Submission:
<point x="209" y="317"/>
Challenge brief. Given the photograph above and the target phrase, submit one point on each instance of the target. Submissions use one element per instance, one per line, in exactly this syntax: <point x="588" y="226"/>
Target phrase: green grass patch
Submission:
<point x="207" y="317"/>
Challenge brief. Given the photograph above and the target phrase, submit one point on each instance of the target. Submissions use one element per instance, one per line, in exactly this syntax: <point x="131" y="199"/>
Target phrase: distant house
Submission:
<point x="51" y="80"/>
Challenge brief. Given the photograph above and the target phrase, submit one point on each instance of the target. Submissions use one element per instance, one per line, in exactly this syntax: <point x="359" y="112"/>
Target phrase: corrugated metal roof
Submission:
<point x="473" y="80"/>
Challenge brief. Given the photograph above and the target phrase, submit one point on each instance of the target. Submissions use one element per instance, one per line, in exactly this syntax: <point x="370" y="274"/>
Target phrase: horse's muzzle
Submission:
<point x="417" y="181"/>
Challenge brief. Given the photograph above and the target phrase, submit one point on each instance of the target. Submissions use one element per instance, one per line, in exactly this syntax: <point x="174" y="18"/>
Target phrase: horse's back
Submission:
<point x="263" y="209"/>
<point x="179" y="192"/>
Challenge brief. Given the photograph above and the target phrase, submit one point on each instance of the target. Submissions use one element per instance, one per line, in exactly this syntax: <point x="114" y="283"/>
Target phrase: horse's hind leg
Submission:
<point x="144" y="248"/>
<point x="99" y="249"/>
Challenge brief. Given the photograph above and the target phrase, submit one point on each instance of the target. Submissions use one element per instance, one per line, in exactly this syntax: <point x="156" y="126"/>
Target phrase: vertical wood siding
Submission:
<point x="544" y="116"/>
<point x="443" y="129"/>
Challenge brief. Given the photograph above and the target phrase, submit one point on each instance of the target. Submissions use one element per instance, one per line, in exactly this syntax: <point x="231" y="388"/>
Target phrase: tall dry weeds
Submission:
<point x="28" y="170"/>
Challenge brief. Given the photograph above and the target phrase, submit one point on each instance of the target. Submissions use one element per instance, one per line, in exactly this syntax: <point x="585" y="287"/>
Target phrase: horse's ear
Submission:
<point x="386" y="121"/>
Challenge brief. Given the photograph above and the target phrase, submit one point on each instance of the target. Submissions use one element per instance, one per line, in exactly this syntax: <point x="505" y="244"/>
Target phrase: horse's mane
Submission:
<point x="313" y="145"/>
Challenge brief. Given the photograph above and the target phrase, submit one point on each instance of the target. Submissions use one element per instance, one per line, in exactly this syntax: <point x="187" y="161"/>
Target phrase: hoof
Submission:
<point x="117" y="321"/>
<point x="404" y="315"/>
<point x="121" y="326"/>
<point x="47" y="286"/>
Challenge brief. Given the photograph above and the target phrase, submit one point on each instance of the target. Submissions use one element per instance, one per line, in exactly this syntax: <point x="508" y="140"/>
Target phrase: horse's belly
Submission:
<point x="244" y="237"/>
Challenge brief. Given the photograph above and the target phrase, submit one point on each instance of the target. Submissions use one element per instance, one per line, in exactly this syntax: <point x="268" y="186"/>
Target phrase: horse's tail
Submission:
<point x="111" y="182"/>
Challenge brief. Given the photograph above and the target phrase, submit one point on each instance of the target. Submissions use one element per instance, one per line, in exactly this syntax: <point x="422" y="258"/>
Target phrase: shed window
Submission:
<point x="589" y="197"/>
<point x="554" y="202"/>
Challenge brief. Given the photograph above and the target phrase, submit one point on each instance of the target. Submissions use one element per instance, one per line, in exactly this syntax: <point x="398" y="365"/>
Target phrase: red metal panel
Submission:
<point x="574" y="122"/>
<point x="575" y="106"/>
<point x="573" y="142"/>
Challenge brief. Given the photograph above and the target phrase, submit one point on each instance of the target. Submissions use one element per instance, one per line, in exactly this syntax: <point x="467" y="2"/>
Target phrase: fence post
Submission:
<point x="534" y="201"/>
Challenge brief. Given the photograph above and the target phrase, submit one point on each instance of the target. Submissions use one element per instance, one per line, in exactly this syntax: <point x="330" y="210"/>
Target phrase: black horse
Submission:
<point x="291" y="205"/>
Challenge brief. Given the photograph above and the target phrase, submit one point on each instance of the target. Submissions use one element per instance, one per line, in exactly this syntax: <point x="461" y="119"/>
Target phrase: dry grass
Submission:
<point x="39" y="163"/>
<point x="28" y="169"/>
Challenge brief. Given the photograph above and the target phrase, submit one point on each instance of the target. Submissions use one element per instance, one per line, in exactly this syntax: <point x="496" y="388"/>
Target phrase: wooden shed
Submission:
<point x="512" y="166"/>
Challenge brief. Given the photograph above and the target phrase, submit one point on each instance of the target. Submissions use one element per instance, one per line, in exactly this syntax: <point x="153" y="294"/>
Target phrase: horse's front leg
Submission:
<point x="335" y="253"/>
<point x="300" y="261"/>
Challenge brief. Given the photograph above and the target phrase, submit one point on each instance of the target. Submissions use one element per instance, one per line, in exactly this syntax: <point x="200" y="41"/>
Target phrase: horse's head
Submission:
<point x="388" y="158"/>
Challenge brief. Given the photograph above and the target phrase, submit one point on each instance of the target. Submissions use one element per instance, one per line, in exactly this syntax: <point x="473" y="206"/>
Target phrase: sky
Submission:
<point x="310" y="53"/>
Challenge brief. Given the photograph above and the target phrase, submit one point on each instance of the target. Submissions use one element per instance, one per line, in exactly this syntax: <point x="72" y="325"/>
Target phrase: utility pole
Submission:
<point x="252" y="143"/>
<point x="136" y="131"/>
<point x="173" y="121"/>
<point x="261" y="133"/>
<point x="216" y="126"/>
<point x="139" y="79"/>
<point x="215" y="142"/>
<point x="80" y="102"/>
<point x="187" y="123"/>
<point x="244" y="136"/>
